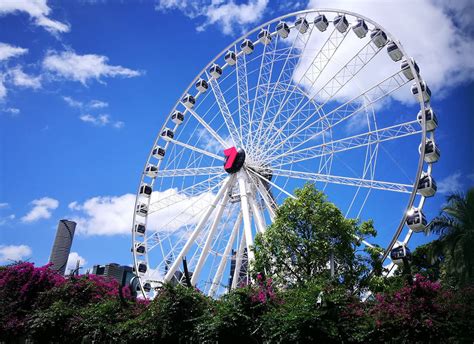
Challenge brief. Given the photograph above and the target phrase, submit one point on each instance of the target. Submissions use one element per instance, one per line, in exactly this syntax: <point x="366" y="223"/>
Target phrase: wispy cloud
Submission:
<point x="42" y="209"/>
<point x="21" y="79"/>
<point x="98" y="104"/>
<point x="101" y="120"/>
<point x="450" y="184"/>
<point x="12" y="111"/>
<point x="83" y="68"/>
<point x="93" y="104"/>
<point x="8" y="51"/>
<point x="12" y="253"/>
<point x="6" y="219"/>
<point x="227" y="15"/>
<point x="39" y="12"/>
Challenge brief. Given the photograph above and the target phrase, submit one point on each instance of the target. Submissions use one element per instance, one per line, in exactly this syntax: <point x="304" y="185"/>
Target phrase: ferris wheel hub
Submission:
<point x="234" y="159"/>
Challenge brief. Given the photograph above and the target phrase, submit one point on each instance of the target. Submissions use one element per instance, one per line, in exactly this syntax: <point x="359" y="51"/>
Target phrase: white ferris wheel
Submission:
<point x="314" y="96"/>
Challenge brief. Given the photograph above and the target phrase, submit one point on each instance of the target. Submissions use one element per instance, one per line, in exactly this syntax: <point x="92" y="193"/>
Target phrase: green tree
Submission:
<point x="455" y="225"/>
<point x="307" y="232"/>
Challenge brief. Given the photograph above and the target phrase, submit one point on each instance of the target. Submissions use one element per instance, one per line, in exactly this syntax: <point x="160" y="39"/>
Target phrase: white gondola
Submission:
<point x="379" y="38"/>
<point x="189" y="101"/>
<point x="283" y="29"/>
<point x="202" y="85"/>
<point x="321" y="22"/>
<point x="427" y="186"/>
<point x="341" y="23"/>
<point x="142" y="267"/>
<point x="432" y="152"/>
<point x="264" y="37"/>
<point x="145" y="190"/>
<point x="139" y="248"/>
<point x="151" y="171"/>
<point x="167" y="134"/>
<point x="247" y="46"/>
<point x="215" y="71"/>
<point x="406" y="70"/>
<point x="400" y="253"/>
<point x="159" y="152"/>
<point x="360" y="28"/>
<point x="147" y="287"/>
<point x="425" y="94"/>
<point x="430" y="119"/>
<point x="394" y="51"/>
<point x="230" y="58"/>
<point x="140" y="229"/>
<point x="416" y="220"/>
<point x="177" y="117"/>
<point x="142" y="209"/>
<point x="302" y="25"/>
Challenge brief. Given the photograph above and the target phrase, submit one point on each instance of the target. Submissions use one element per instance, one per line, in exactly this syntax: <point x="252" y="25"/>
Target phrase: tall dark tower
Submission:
<point x="62" y="245"/>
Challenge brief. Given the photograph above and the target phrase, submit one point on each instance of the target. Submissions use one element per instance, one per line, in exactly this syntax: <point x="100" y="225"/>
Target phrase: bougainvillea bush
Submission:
<point x="39" y="305"/>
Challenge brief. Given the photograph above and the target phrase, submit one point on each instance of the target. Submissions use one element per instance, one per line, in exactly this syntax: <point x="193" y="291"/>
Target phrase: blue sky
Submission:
<point x="85" y="86"/>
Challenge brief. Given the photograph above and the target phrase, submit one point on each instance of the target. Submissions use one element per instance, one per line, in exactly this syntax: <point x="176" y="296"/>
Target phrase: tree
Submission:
<point x="455" y="225"/>
<point x="307" y="233"/>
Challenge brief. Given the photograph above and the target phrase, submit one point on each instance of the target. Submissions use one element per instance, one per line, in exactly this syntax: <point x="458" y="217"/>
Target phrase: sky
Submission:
<point x="86" y="85"/>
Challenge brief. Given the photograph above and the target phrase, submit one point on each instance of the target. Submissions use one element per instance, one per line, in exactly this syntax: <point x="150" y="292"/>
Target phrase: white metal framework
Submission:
<point x="305" y="103"/>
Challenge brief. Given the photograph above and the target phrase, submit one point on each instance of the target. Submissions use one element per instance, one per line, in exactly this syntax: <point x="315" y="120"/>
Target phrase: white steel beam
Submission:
<point x="197" y="230"/>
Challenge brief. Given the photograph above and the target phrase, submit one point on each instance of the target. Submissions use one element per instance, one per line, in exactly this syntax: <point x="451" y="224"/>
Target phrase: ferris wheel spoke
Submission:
<point x="310" y="76"/>
<point x="269" y="202"/>
<point x="225" y="256"/>
<point x="224" y="110"/>
<point x="349" y="181"/>
<point x="210" y="235"/>
<point x="332" y="86"/>
<point x="285" y="75"/>
<point x="192" y="171"/>
<point x="211" y="131"/>
<point x="244" y="203"/>
<point x="348" y="109"/>
<point x="243" y="95"/>
<point x="196" y="149"/>
<point x="272" y="184"/>
<point x="191" y="191"/>
<point x="197" y="230"/>
<point x="362" y="140"/>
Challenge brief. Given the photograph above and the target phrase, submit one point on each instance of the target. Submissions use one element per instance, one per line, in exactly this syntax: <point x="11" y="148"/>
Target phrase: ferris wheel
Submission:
<point x="323" y="96"/>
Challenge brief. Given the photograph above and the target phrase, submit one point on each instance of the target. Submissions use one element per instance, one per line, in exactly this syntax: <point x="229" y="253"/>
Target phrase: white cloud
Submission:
<point x="450" y="184"/>
<point x="72" y="261"/>
<point x="42" y="209"/>
<point x="98" y="104"/>
<point x="73" y="103"/>
<point x="83" y="68"/>
<point x="4" y="205"/>
<point x="6" y="219"/>
<point x="8" y="51"/>
<point x="20" y="78"/>
<point x="101" y="121"/>
<point x="13" y="253"/>
<point x="112" y="215"/>
<point x="12" y="111"/>
<point x="430" y="31"/>
<point x="93" y="104"/>
<point x="227" y="15"/>
<point x="38" y="10"/>
<point x="3" y="89"/>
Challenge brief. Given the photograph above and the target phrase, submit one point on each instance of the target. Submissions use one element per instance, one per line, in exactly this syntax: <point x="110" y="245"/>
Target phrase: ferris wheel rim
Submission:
<point x="417" y="80"/>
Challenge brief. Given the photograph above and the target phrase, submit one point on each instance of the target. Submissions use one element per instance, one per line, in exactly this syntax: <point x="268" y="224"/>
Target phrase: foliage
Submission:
<point x="307" y="231"/>
<point x="455" y="225"/>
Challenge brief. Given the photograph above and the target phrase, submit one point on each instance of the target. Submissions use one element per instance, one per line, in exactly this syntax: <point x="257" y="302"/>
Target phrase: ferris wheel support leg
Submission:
<point x="205" y="251"/>
<point x="238" y="263"/>
<point x="223" y="262"/>
<point x="267" y="201"/>
<point x="259" y="221"/>
<point x="196" y="231"/>
<point x="244" y="201"/>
